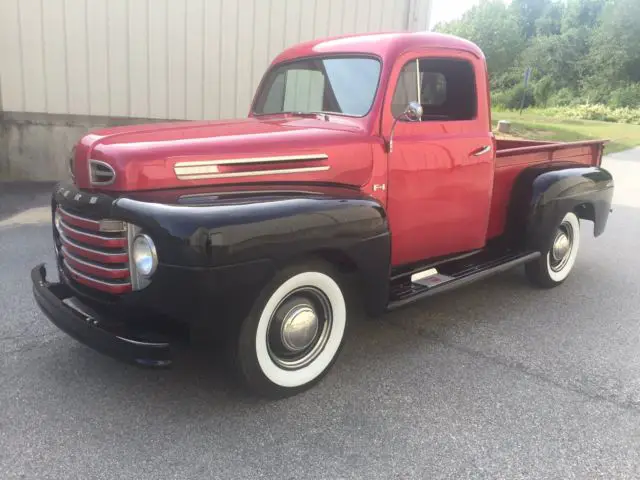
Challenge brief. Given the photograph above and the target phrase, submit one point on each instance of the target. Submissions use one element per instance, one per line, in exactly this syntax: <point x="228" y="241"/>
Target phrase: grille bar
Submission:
<point x="93" y="268"/>
<point x="95" y="259"/>
<point x="93" y="238"/>
<point x="110" y="287"/>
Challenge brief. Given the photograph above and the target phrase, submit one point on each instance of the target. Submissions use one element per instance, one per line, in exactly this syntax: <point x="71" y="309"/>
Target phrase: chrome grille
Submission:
<point x="91" y="256"/>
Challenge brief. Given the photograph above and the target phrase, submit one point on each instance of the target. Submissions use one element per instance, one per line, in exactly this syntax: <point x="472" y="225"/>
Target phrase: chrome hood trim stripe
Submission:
<point x="194" y="170"/>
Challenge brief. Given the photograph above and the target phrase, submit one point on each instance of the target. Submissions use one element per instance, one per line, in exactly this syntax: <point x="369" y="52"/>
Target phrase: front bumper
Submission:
<point x="110" y="336"/>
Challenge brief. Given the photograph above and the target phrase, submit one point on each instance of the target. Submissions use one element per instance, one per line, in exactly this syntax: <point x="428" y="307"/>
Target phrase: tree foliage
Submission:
<point x="581" y="51"/>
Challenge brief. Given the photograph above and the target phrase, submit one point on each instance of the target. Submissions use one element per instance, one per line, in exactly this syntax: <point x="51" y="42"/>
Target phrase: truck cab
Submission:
<point x="365" y="160"/>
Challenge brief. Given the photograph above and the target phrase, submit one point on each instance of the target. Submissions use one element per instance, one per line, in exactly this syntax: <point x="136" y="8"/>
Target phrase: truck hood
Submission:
<point x="185" y="154"/>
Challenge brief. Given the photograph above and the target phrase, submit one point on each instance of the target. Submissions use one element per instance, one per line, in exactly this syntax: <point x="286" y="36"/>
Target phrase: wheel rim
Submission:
<point x="562" y="247"/>
<point x="299" y="328"/>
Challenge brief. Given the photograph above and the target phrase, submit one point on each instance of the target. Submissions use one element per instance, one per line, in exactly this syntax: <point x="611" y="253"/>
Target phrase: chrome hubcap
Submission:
<point x="562" y="246"/>
<point x="299" y="328"/>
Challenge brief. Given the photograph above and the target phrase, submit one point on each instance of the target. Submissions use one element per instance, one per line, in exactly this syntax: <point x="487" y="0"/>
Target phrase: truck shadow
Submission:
<point x="199" y="377"/>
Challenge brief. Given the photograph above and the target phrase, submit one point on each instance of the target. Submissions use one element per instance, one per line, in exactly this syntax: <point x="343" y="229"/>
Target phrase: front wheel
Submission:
<point x="293" y="333"/>
<point x="554" y="266"/>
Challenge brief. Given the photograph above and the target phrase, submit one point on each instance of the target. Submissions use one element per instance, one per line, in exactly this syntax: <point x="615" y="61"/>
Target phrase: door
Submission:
<point x="440" y="169"/>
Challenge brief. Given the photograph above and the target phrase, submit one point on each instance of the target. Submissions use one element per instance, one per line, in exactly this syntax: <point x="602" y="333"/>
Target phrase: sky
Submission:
<point x="445" y="10"/>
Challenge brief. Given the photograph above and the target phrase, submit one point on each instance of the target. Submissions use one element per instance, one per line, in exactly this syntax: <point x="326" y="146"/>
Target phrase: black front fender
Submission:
<point x="219" y="229"/>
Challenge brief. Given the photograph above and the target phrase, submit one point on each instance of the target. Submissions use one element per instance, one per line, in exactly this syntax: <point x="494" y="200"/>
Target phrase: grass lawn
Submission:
<point x="537" y="127"/>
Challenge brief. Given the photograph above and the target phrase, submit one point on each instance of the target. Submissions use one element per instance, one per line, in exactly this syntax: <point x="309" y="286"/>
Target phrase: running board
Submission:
<point x="413" y="291"/>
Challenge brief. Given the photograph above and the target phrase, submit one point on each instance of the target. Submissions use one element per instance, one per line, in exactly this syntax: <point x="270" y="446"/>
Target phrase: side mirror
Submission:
<point x="413" y="113"/>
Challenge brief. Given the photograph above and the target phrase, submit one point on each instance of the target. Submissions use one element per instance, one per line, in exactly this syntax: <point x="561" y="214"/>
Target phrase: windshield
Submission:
<point x="344" y="85"/>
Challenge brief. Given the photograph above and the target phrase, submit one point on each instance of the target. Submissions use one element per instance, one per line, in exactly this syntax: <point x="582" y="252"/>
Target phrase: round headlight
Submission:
<point x="144" y="255"/>
<point x="57" y="220"/>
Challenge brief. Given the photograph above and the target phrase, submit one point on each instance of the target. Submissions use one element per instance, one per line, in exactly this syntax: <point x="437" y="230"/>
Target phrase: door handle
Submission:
<point x="482" y="150"/>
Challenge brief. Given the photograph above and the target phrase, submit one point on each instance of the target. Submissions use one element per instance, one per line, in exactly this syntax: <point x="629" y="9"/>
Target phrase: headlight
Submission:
<point x="144" y="255"/>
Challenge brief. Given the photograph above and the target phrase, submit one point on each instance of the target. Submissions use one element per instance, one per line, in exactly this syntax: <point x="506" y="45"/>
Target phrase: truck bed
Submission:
<point x="512" y="156"/>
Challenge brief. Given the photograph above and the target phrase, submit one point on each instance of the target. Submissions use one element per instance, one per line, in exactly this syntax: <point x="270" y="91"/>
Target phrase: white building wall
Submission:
<point x="178" y="59"/>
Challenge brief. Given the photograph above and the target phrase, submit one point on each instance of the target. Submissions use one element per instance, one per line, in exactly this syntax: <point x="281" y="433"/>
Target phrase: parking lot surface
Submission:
<point x="497" y="380"/>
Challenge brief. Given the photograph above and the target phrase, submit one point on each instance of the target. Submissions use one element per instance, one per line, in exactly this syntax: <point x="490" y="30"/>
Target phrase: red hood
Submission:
<point x="269" y="149"/>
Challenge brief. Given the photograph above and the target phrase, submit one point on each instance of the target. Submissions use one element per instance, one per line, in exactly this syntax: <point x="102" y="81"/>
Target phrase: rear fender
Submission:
<point x="543" y="195"/>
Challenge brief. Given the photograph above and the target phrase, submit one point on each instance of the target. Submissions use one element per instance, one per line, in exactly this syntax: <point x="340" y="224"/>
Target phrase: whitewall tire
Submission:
<point x="555" y="265"/>
<point x="294" y="332"/>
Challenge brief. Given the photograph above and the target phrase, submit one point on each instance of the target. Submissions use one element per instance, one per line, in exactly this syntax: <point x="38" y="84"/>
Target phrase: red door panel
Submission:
<point x="440" y="177"/>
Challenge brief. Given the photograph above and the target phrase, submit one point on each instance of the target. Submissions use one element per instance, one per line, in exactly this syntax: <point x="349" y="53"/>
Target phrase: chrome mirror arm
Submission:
<point x="413" y="113"/>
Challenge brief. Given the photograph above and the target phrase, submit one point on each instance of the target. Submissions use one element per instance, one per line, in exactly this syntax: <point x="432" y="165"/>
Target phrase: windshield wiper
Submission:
<point x="324" y="115"/>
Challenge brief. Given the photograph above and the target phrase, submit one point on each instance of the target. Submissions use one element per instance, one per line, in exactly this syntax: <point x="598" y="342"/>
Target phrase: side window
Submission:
<point x="446" y="88"/>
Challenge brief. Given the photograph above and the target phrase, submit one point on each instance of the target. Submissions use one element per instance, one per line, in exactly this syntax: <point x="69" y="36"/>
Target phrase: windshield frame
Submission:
<point x="357" y="55"/>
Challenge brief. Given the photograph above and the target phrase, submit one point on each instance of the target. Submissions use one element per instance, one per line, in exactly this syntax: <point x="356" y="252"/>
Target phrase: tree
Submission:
<point x="495" y="29"/>
<point x="528" y="12"/>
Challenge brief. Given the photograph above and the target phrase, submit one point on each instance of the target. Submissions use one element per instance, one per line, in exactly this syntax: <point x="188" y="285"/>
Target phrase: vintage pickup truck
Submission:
<point x="366" y="165"/>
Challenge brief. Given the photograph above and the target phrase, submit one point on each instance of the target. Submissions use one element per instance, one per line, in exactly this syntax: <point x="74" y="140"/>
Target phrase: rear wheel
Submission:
<point x="293" y="333"/>
<point x="554" y="266"/>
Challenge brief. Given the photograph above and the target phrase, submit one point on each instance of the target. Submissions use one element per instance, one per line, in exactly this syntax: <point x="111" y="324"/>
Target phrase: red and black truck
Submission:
<point x="365" y="160"/>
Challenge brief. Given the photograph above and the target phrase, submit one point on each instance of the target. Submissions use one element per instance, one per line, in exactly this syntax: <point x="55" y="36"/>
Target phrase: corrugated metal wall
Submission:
<point x="166" y="58"/>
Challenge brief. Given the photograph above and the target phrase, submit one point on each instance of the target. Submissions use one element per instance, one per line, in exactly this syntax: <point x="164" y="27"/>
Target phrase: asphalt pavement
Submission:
<point x="497" y="380"/>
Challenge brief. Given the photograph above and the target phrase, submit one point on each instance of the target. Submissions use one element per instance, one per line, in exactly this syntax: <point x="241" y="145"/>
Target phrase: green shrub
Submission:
<point x="592" y="112"/>
<point x="542" y="91"/>
<point x="510" y="99"/>
<point x="628" y="96"/>
<point x="563" y="97"/>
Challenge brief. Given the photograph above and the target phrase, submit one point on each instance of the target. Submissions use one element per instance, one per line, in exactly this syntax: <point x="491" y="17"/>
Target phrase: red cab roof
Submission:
<point x="384" y="45"/>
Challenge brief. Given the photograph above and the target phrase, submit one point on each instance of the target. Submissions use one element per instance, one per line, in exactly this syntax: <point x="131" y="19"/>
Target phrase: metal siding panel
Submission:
<point x="31" y="41"/>
<point x="362" y="15"/>
<point x="158" y="60"/>
<point x="321" y="25"/>
<point x="118" y="57"/>
<point x="11" y="57"/>
<point x="177" y="32"/>
<point x="277" y="27"/>
<point x="335" y="16"/>
<point x="292" y="19"/>
<point x="374" y="19"/>
<point x="195" y="59"/>
<point x="138" y="26"/>
<point x="77" y="56"/>
<point x="166" y="58"/>
<point x="213" y="19"/>
<point x="55" y="56"/>
<point x="244" y="58"/>
<point x="98" y="48"/>
<point x="349" y="17"/>
<point x="261" y="57"/>
<point x="228" y="57"/>
<point x="306" y="21"/>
